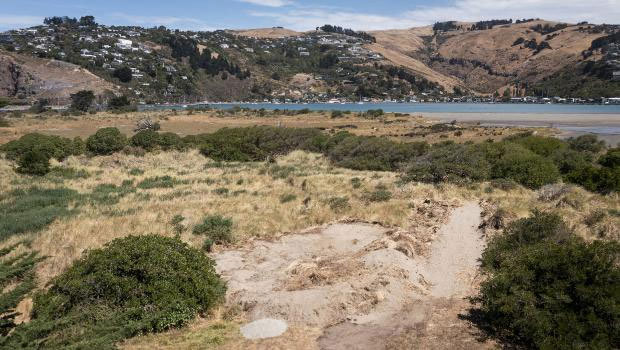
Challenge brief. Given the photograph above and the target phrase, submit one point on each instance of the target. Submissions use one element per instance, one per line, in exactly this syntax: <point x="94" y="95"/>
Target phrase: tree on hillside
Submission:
<point x="82" y="100"/>
<point x="88" y="21"/>
<point x="118" y="102"/>
<point x="123" y="74"/>
<point x="329" y="60"/>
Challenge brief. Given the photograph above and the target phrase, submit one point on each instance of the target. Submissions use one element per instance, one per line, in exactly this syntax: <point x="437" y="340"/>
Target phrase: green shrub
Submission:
<point x="338" y="204"/>
<point x="543" y="146"/>
<point x="337" y="114"/>
<point x="217" y="229"/>
<point x="611" y="159"/>
<point x="34" y="162"/>
<point x="132" y="286"/>
<point x="34" y="209"/>
<point x="356" y="182"/>
<point x="286" y="198"/>
<point x="450" y="162"/>
<point x="17" y="279"/>
<point x="79" y="146"/>
<point x="255" y="143"/>
<point x="222" y="191"/>
<point x="525" y="167"/>
<point x="537" y="228"/>
<point x="380" y="194"/>
<point x="546" y="289"/>
<point x="52" y="146"/>
<point x="159" y="182"/>
<point x="106" y="141"/>
<point x="586" y="143"/>
<point x="136" y="172"/>
<point x="596" y="179"/>
<point x="82" y="100"/>
<point x="147" y="139"/>
<point x="170" y="141"/>
<point x="61" y="173"/>
<point x="371" y="153"/>
<point x="110" y="194"/>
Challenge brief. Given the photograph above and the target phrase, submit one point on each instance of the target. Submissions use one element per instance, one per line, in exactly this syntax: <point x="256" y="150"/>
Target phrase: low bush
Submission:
<point x="611" y="159"/>
<point x="159" y="182"/>
<point x="380" y="194"/>
<point x="34" y="209"/>
<point x="106" y="141"/>
<point x="34" y="162"/>
<point x="586" y="143"/>
<point x="147" y="139"/>
<point x="132" y="286"/>
<point x="17" y="279"/>
<point x="338" y="204"/>
<point x="371" y="153"/>
<point x="256" y="143"/>
<point x="286" y="198"/>
<point x="525" y="167"/>
<point x="546" y="289"/>
<point x="216" y="228"/>
<point x="450" y="162"/>
<point x="51" y="146"/>
<point x="170" y="141"/>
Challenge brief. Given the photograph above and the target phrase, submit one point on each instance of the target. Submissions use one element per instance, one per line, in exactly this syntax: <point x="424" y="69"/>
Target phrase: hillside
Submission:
<point x="267" y="33"/>
<point x="26" y="76"/>
<point x="487" y="60"/>
<point x="426" y="63"/>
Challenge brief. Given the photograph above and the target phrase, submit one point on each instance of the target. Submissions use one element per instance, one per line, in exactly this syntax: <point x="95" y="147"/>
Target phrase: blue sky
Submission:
<point x="303" y="14"/>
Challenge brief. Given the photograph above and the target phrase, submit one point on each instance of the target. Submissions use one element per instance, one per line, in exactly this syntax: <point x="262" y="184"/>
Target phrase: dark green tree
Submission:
<point x="82" y="100"/>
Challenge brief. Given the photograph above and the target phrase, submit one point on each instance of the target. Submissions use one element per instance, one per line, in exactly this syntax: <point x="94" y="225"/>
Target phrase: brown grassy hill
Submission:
<point x="30" y="77"/>
<point x="488" y="60"/>
<point x="267" y="33"/>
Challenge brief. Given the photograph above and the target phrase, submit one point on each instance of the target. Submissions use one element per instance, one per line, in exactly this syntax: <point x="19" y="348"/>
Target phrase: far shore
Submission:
<point x="605" y="126"/>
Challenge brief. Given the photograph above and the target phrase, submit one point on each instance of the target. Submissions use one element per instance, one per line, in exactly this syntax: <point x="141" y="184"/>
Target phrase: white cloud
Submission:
<point x="12" y="21"/>
<point x="268" y="3"/>
<point x="599" y="11"/>
<point x="168" y="21"/>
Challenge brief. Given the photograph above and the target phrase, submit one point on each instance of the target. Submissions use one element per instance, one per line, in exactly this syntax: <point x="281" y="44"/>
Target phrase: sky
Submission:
<point x="303" y="14"/>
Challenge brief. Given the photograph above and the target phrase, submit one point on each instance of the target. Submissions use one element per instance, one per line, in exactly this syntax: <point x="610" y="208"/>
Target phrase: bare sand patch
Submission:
<point x="363" y="285"/>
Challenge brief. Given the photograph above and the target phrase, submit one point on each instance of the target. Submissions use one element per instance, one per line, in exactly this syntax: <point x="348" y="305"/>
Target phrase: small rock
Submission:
<point x="264" y="328"/>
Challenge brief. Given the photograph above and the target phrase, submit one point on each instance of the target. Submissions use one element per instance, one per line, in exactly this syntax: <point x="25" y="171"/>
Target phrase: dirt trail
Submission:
<point x="362" y="284"/>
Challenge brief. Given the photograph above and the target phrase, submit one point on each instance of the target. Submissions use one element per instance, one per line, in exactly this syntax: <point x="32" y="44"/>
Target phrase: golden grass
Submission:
<point x="191" y="123"/>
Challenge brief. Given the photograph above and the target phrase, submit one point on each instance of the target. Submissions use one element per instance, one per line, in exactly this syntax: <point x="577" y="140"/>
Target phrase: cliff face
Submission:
<point x="33" y="78"/>
<point x="10" y="77"/>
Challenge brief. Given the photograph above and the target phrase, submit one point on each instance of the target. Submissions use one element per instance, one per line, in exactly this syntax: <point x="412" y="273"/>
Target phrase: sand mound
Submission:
<point x="349" y="279"/>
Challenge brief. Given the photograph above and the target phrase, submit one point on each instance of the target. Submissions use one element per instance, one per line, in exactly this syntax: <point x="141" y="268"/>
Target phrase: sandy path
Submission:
<point x="454" y="255"/>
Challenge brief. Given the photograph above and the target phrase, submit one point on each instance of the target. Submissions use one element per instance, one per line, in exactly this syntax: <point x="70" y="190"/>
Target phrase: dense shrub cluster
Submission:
<point x="132" y="286"/>
<point x="33" y="151"/>
<point x="106" y="141"/>
<point x="150" y="140"/>
<point x="532" y="161"/>
<point x="547" y="289"/>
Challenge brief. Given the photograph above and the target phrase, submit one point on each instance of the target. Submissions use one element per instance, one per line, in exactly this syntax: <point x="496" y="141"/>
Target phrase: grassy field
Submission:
<point x="396" y="126"/>
<point x="169" y="193"/>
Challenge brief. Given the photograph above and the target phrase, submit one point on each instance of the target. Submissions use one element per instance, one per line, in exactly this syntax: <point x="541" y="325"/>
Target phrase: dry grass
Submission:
<point x="184" y="123"/>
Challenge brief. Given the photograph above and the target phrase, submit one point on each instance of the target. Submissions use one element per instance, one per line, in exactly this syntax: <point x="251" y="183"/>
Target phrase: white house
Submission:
<point x="124" y="44"/>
